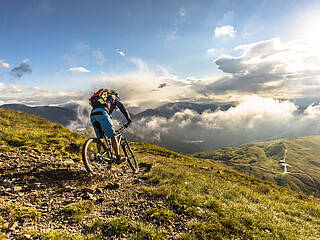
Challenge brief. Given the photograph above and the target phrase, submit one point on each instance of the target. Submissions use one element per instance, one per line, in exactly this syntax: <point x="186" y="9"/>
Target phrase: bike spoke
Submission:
<point x="94" y="157"/>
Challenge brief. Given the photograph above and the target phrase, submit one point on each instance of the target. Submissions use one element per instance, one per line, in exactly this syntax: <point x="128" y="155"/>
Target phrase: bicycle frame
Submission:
<point x="102" y="153"/>
<point x="119" y="137"/>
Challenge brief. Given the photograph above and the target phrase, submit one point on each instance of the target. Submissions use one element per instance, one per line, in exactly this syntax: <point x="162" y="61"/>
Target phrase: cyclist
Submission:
<point x="103" y="103"/>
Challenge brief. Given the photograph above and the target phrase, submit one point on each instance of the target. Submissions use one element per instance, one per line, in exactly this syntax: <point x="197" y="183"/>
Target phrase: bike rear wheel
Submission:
<point x="95" y="156"/>
<point x="132" y="161"/>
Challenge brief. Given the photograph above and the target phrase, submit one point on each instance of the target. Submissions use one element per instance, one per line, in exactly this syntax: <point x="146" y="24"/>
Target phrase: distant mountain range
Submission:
<point x="60" y="115"/>
<point x="169" y="109"/>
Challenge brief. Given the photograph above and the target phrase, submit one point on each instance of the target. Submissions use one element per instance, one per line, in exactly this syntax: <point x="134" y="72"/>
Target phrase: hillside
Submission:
<point x="46" y="194"/>
<point x="286" y="162"/>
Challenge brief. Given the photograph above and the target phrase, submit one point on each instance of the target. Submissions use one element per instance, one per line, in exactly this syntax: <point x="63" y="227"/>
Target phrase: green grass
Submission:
<point x="146" y="231"/>
<point x="116" y="226"/>
<point x="123" y="227"/>
<point x="79" y="209"/>
<point x="19" y="129"/>
<point x="55" y="235"/>
<point x="303" y="154"/>
<point x="161" y="216"/>
<point x="223" y="204"/>
<point x="13" y="212"/>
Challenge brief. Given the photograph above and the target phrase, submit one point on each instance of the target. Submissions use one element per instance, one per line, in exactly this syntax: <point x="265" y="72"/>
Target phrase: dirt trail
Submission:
<point x="49" y="183"/>
<point x="284" y="165"/>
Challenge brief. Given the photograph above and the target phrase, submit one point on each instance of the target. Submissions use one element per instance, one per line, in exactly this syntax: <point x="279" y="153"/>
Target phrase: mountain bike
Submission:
<point x="98" y="156"/>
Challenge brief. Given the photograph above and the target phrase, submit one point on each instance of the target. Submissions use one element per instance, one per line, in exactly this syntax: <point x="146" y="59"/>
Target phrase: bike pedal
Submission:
<point x="119" y="161"/>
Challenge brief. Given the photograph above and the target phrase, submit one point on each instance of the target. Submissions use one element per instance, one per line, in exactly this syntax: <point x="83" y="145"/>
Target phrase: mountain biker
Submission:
<point x="103" y="103"/>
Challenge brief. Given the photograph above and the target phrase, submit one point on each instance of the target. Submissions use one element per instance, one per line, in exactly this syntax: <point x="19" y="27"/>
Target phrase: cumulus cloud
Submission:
<point x="271" y="67"/>
<point x="226" y="30"/>
<point x="23" y="68"/>
<point x="79" y="69"/>
<point x="3" y="64"/>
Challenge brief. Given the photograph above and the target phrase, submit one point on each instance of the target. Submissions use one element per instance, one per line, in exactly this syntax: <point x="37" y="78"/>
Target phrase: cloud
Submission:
<point x="182" y="12"/>
<point x="253" y="119"/>
<point x="211" y="50"/>
<point x="78" y="69"/>
<point x="3" y="64"/>
<point x="121" y="52"/>
<point x="3" y="87"/>
<point x="269" y="67"/>
<point x="35" y="95"/>
<point x="143" y="82"/>
<point x="226" y="30"/>
<point x="23" y="68"/>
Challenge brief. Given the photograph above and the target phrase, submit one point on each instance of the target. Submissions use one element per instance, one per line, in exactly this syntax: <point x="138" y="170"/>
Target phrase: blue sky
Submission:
<point x="75" y="46"/>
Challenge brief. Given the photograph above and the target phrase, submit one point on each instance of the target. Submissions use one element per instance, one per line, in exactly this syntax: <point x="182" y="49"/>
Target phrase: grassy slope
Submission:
<point x="212" y="202"/>
<point x="303" y="154"/>
<point x="18" y="129"/>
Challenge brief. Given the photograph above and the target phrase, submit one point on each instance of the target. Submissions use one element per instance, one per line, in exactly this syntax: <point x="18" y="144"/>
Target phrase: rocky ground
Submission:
<point x="49" y="184"/>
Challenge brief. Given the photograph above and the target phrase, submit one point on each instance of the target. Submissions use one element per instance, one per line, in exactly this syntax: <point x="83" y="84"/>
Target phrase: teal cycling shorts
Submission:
<point x="105" y="122"/>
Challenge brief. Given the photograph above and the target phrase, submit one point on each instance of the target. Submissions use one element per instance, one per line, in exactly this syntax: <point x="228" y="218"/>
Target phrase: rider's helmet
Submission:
<point x="115" y="92"/>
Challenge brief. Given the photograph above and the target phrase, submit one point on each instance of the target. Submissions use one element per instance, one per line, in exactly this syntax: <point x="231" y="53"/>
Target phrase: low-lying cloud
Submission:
<point x="253" y="119"/>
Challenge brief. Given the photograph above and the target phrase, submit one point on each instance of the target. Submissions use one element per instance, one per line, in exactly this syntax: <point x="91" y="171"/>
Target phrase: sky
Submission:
<point x="55" y="52"/>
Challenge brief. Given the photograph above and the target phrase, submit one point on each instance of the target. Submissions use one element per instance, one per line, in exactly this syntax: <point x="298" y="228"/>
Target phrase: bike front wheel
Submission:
<point x="132" y="161"/>
<point x="95" y="156"/>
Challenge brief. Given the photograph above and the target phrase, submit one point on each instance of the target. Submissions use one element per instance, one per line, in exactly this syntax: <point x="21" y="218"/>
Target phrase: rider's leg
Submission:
<point x="115" y="145"/>
<point x="107" y="126"/>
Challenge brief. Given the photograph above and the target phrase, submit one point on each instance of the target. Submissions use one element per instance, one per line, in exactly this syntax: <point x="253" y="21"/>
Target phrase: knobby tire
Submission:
<point x="132" y="161"/>
<point x="91" y="149"/>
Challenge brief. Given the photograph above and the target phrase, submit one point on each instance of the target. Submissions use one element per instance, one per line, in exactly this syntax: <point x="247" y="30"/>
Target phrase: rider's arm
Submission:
<point x="122" y="109"/>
